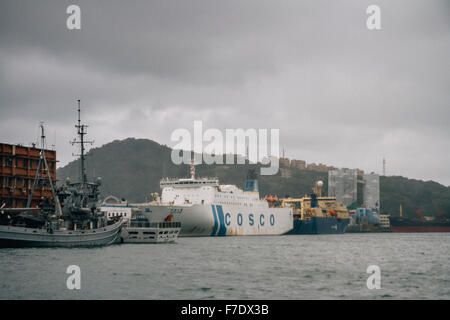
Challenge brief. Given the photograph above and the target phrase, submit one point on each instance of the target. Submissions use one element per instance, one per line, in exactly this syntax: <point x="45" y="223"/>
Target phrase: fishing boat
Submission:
<point x="70" y="218"/>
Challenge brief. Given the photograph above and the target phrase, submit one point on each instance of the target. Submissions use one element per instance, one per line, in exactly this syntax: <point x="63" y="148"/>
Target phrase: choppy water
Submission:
<point x="413" y="266"/>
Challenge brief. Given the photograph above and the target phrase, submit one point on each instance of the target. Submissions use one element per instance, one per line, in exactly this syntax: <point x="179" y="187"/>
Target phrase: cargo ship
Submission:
<point x="206" y="208"/>
<point x="400" y="224"/>
<point x="316" y="214"/>
<point x="419" y="223"/>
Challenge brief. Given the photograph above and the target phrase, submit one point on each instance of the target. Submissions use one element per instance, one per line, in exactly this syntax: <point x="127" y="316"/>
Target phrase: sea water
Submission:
<point x="411" y="266"/>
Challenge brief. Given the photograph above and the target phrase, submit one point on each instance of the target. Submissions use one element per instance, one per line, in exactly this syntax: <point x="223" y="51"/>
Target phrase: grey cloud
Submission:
<point x="339" y="93"/>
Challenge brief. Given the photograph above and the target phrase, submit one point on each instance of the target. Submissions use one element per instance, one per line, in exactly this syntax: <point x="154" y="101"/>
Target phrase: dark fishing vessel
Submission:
<point x="71" y="217"/>
<point x="317" y="214"/>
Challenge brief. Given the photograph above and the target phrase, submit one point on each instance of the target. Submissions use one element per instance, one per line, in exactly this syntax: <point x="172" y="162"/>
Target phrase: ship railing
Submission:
<point x="166" y="225"/>
<point x="170" y="180"/>
<point x="197" y="178"/>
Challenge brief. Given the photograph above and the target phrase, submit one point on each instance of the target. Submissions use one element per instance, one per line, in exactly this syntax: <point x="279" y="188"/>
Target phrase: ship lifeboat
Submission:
<point x="332" y="213"/>
<point x="272" y="199"/>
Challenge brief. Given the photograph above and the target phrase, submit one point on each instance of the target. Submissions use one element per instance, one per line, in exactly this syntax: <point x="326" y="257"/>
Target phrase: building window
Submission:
<point x="8" y="162"/>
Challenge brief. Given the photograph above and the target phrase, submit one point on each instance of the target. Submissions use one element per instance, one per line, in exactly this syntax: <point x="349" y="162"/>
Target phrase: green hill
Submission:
<point x="132" y="169"/>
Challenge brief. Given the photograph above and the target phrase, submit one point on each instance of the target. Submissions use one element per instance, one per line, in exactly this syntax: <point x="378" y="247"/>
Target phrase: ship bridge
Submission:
<point x="189" y="182"/>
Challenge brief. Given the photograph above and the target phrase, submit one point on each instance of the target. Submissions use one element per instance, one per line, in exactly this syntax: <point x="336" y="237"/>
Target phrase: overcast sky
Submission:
<point x="339" y="93"/>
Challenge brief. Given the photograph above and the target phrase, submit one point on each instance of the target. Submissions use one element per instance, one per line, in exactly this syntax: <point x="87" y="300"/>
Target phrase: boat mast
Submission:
<point x="81" y="131"/>
<point x="43" y="161"/>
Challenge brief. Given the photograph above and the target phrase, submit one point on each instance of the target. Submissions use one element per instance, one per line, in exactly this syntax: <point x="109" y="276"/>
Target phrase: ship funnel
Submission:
<point x="251" y="184"/>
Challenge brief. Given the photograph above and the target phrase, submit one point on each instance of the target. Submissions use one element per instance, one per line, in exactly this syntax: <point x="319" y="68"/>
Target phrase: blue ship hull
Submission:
<point x="329" y="225"/>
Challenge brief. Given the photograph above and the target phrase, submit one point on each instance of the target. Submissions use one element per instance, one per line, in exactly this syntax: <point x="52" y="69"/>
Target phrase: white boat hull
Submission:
<point x="11" y="236"/>
<point x="225" y="220"/>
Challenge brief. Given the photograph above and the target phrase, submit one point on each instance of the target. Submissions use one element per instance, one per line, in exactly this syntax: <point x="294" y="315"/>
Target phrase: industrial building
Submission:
<point x="299" y="164"/>
<point x="285" y="162"/>
<point x="371" y="194"/>
<point x="18" y="166"/>
<point x="342" y="184"/>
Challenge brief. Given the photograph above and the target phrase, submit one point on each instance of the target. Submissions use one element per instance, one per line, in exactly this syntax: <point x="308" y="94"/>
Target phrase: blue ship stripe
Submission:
<point x="213" y="233"/>
<point x="222" y="229"/>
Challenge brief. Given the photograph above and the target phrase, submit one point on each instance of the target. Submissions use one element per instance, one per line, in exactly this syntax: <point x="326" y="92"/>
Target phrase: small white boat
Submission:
<point x="146" y="232"/>
<point x="137" y="228"/>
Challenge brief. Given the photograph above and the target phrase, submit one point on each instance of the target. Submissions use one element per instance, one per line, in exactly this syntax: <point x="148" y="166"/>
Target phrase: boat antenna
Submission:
<point x="81" y="131"/>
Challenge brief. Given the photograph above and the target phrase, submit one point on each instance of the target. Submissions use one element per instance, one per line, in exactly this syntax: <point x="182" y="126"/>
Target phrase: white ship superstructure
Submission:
<point x="206" y="208"/>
